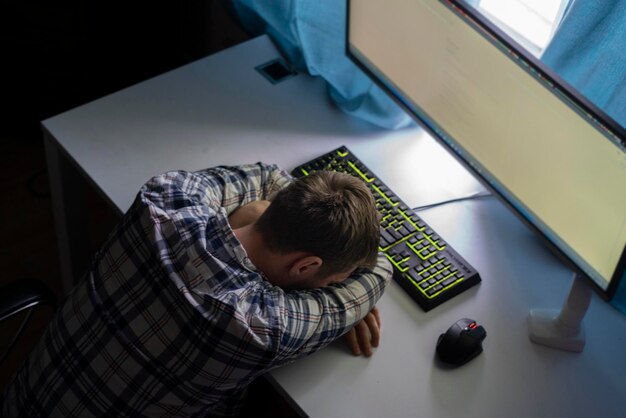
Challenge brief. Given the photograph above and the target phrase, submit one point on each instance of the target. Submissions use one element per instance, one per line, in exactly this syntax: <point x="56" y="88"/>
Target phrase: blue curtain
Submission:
<point x="619" y="300"/>
<point x="589" y="52"/>
<point x="311" y="35"/>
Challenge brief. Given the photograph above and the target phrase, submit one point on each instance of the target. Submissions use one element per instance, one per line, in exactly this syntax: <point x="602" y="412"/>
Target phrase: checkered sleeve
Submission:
<point x="315" y="318"/>
<point x="187" y="217"/>
<point x="238" y="185"/>
<point x="228" y="187"/>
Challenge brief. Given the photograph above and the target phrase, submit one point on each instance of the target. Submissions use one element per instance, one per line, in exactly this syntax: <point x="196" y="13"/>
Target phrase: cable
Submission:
<point x="458" y="199"/>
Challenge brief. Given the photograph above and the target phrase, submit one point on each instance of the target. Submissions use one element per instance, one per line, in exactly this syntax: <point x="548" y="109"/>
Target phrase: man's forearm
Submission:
<point x="316" y="318"/>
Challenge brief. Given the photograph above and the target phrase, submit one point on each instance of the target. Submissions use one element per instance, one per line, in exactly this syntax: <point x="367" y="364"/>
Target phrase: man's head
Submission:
<point x="327" y="218"/>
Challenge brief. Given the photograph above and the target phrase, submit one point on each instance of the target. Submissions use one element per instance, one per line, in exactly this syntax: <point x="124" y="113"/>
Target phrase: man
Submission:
<point x="198" y="291"/>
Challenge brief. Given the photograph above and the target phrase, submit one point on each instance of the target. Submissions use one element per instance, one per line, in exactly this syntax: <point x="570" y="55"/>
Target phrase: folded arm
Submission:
<point x="226" y="187"/>
<point x="315" y="318"/>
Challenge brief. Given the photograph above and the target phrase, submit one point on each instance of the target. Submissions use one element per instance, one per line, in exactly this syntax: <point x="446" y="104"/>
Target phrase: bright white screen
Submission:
<point x="562" y="173"/>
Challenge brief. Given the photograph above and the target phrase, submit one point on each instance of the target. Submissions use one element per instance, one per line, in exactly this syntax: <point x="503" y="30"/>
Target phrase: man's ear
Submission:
<point x="305" y="267"/>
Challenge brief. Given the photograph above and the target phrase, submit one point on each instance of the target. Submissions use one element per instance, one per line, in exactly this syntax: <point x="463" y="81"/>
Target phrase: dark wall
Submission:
<point x="57" y="55"/>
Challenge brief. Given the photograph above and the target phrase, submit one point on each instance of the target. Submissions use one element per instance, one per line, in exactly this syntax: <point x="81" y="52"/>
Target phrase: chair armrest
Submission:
<point x="23" y="294"/>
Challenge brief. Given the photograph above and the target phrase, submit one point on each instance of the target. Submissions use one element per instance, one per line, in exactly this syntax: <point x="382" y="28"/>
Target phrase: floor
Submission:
<point x="56" y="57"/>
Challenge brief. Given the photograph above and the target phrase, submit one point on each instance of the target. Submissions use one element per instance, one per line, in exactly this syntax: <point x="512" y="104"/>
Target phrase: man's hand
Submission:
<point x="248" y="213"/>
<point x="365" y="334"/>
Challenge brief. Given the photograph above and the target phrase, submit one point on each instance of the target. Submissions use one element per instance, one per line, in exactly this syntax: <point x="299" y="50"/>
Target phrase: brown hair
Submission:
<point x="331" y="215"/>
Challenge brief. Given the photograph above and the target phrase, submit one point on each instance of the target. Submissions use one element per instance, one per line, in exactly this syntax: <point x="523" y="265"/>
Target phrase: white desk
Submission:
<point x="220" y="111"/>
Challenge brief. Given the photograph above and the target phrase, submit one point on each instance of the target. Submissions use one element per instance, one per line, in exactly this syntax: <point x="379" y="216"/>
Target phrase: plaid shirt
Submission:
<point x="173" y="318"/>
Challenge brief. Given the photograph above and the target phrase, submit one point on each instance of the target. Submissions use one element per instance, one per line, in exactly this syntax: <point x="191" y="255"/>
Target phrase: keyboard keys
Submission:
<point x="427" y="268"/>
<point x="449" y="280"/>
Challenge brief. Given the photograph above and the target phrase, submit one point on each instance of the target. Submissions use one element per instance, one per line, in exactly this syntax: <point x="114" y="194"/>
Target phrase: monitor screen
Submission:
<point x="557" y="161"/>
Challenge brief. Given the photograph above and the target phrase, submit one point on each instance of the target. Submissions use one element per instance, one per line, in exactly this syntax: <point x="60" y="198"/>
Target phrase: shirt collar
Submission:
<point x="232" y="244"/>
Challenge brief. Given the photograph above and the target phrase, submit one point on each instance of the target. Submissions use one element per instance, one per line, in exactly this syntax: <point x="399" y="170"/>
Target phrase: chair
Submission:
<point x="24" y="295"/>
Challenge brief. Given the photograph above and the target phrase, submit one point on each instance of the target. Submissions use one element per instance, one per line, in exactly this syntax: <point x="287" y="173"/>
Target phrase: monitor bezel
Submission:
<point x="519" y="55"/>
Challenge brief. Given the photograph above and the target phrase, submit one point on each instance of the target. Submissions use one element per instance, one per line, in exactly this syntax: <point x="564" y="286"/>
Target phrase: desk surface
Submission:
<point x="220" y="111"/>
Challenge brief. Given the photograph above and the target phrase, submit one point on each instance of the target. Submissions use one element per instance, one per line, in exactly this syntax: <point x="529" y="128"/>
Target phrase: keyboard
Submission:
<point x="425" y="266"/>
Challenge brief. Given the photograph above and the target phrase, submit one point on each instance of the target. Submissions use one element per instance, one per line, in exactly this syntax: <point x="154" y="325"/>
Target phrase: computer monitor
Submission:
<point x="553" y="157"/>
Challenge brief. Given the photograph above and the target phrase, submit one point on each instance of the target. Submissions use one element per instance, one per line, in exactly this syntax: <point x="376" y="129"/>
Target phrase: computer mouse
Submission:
<point x="461" y="342"/>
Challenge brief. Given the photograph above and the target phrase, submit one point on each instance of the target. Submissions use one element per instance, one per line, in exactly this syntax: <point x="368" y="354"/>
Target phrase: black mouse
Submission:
<point x="461" y="342"/>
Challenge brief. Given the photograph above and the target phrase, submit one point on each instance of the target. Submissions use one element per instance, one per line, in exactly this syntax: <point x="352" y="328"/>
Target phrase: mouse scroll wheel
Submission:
<point x="472" y="325"/>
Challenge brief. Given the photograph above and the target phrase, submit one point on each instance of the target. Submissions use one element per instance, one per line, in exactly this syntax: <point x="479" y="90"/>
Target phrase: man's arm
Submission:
<point x="234" y="187"/>
<point x="227" y="187"/>
<point x="182" y="213"/>
<point x="315" y="318"/>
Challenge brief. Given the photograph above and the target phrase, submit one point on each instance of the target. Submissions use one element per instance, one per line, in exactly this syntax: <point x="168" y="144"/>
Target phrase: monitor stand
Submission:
<point x="563" y="330"/>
